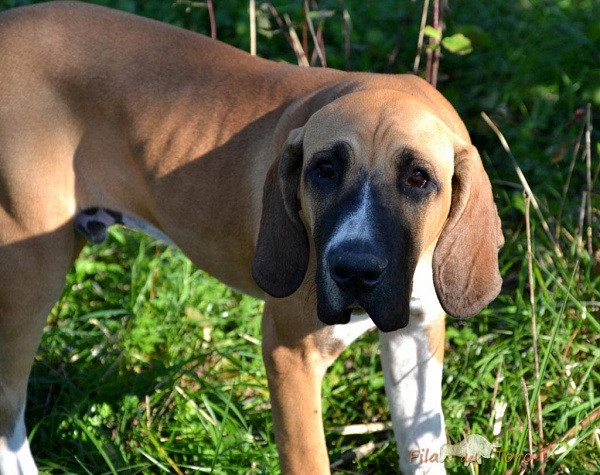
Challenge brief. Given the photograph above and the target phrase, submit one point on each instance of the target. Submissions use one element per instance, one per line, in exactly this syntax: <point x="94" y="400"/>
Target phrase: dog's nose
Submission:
<point x="356" y="270"/>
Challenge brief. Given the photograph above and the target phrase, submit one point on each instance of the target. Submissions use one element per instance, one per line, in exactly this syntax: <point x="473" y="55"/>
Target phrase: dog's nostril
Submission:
<point x="372" y="275"/>
<point x="356" y="272"/>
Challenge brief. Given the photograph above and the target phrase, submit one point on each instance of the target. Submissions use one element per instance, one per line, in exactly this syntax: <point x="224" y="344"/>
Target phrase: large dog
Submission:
<point x="331" y="195"/>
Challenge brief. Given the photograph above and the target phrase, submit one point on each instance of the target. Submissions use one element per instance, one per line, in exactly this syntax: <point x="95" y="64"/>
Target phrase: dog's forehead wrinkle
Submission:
<point x="384" y="130"/>
<point x="381" y="133"/>
<point x="339" y="149"/>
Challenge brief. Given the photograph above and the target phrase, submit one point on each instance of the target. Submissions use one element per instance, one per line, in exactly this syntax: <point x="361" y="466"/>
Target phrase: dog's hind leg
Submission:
<point x="32" y="276"/>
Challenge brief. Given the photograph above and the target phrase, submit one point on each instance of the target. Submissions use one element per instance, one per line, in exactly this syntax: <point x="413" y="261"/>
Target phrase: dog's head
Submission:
<point x="372" y="182"/>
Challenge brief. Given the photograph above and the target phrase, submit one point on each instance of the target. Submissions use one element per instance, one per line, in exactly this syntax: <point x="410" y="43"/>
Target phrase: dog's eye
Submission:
<point x="418" y="179"/>
<point x="325" y="169"/>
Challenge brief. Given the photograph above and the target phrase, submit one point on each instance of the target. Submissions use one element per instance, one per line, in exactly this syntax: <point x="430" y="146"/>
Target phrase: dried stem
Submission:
<point x="529" y="425"/>
<point x="347" y="31"/>
<point x="252" y="15"/>
<point x="588" y="168"/>
<point x="295" y="42"/>
<point x="550" y="448"/>
<point x="359" y="453"/>
<point x="574" y="157"/>
<point x="421" y="36"/>
<point x="285" y="25"/>
<point x="433" y="55"/>
<point x="368" y="428"/>
<point x="524" y="183"/>
<point x="211" y="18"/>
<point x="533" y="316"/>
<point x="314" y="36"/>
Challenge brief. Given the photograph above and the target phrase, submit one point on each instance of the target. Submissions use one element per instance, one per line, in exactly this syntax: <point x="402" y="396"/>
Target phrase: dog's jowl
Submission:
<point x="346" y="200"/>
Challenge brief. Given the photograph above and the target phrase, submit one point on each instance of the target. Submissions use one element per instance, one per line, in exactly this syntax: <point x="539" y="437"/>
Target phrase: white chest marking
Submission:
<point x="347" y="333"/>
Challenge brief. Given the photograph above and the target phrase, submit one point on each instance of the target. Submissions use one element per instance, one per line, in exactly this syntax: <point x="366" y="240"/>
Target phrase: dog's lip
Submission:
<point x="337" y="317"/>
<point x="353" y="309"/>
<point x="345" y="316"/>
<point x="389" y="324"/>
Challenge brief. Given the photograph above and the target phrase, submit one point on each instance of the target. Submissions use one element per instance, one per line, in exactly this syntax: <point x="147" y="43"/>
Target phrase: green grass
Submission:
<point x="148" y="365"/>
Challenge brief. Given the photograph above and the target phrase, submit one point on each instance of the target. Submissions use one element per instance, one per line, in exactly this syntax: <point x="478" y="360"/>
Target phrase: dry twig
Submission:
<point x="524" y="183"/>
<point x="252" y="15"/>
<point x="317" y="39"/>
<point x="529" y="424"/>
<point x="536" y="358"/>
<point x="368" y="428"/>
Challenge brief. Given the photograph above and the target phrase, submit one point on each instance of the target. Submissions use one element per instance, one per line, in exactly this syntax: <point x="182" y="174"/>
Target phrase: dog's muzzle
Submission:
<point x="360" y="276"/>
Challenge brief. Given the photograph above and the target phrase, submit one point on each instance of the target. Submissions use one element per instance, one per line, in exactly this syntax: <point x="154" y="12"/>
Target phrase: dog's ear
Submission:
<point x="282" y="252"/>
<point x="465" y="260"/>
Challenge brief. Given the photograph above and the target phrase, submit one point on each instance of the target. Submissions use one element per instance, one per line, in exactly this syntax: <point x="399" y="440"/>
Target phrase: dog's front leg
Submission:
<point x="413" y="377"/>
<point x="412" y="360"/>
<point x="296" y="358"/>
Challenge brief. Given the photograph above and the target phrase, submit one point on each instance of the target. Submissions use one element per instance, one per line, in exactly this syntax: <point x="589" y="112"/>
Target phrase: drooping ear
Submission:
<point x="282" y="252"/>
<point x="465" y="260"/>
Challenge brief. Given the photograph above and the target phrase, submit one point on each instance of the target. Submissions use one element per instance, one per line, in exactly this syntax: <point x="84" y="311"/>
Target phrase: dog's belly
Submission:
<point x="93" y="224"/>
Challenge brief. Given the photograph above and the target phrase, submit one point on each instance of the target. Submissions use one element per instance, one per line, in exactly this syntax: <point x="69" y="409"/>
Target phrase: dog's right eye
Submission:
<point x="325" y="169"/>
<point x="418" y="179"/>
